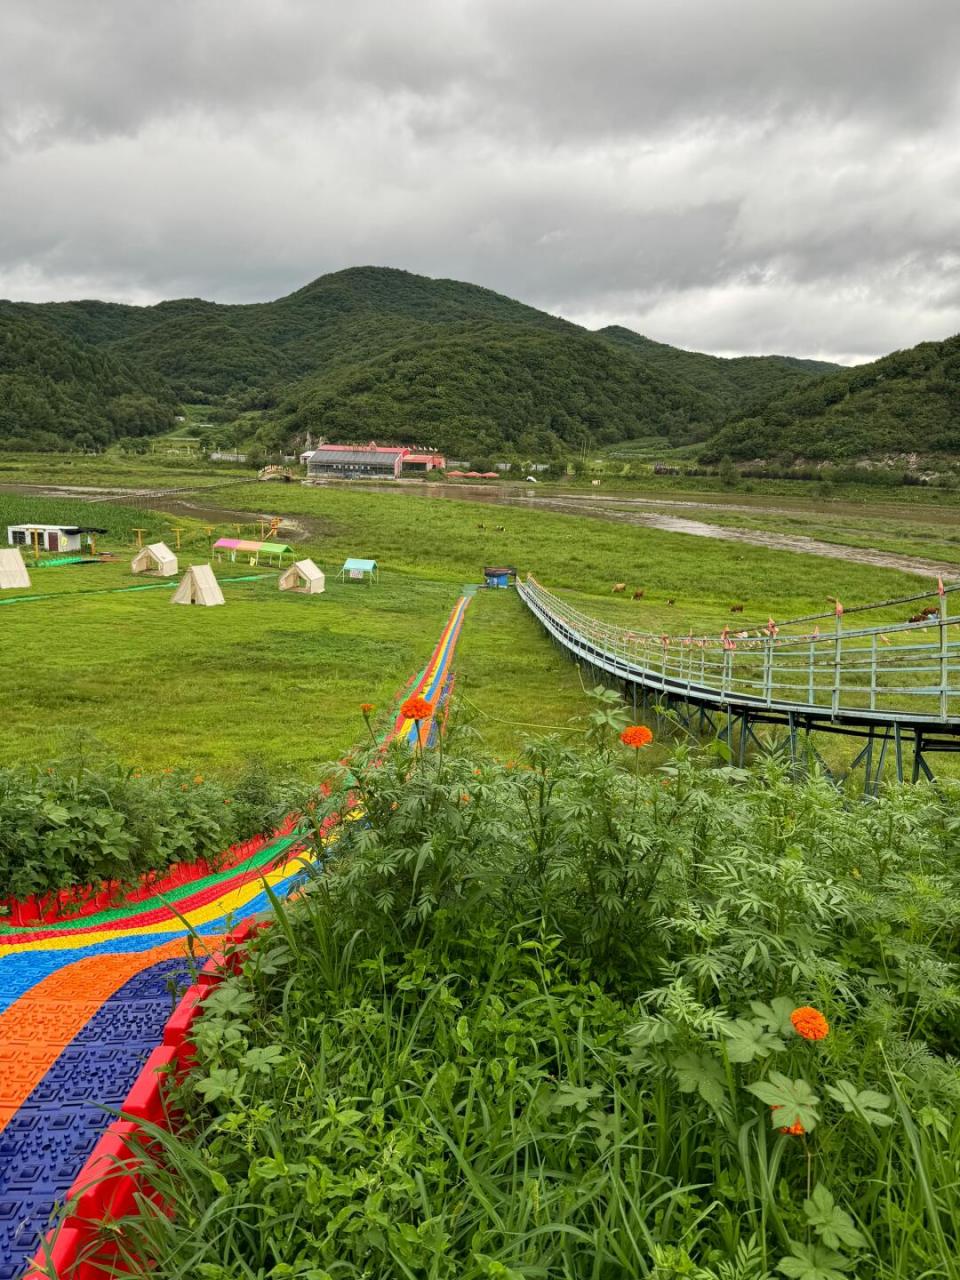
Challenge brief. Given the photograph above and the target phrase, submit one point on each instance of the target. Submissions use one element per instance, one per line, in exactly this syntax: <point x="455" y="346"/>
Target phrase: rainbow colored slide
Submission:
<point x="84" y="1000"/>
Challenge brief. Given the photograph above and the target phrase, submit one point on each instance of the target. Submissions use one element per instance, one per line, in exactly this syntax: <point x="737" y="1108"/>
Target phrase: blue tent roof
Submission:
<point x="367" y="566"/>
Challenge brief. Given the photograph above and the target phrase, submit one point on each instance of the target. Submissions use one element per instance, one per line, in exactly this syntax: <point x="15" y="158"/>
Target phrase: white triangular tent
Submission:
<point x="13" y="572"/>
<point x="198" y="586"/>
<point x="303" y="576"/>
<point x="157" y="558"/>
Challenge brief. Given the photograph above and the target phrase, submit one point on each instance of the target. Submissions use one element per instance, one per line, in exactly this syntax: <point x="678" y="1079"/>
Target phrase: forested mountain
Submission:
<point x="479" y="387"/>
<point x="903" y="403"/>
<point x="736" y="383"/>
<point x="374" y="351"/>
<point x="56" y="391"/>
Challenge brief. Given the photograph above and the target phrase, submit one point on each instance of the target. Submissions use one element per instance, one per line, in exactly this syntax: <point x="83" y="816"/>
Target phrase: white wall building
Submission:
<point x="50" y="537"/>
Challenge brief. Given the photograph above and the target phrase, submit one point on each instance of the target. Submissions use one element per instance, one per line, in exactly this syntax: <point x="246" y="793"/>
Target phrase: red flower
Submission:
<point x="809" y="1023"/>
<point x="636" y="736"/>
<point x="367" y="709"/>
<point x="417" y="708"/>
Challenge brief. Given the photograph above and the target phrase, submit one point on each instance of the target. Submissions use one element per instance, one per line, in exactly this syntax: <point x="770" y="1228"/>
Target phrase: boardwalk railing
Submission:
<point x="897" y="671"/>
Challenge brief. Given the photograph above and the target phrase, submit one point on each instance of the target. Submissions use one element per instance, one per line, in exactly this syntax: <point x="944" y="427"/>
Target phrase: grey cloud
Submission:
<point x="724" y="174"/>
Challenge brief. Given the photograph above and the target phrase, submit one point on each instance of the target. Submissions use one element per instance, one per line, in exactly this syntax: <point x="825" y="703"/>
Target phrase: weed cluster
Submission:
<point x="82" y="821"/>
<point x="540" y="1019"/>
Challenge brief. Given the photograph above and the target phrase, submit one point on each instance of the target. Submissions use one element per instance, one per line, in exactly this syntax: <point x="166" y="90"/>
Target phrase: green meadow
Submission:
<point x="280" y="676"/>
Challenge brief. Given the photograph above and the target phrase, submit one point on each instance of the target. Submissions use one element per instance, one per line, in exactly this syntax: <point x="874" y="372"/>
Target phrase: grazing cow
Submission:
<point x="671" y="602"/>
<point x="736" y="608"/>
<point x="638" y="595"/>
<point x="481" y="526"/>
<point x="618" y="587"/>
<point x="930" y="611"/>
<point x="501" y="528"/>
<point x="919" y="617"/>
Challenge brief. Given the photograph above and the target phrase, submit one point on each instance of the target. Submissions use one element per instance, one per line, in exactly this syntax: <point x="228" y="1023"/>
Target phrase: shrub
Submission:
<point x="535" y="1021"/>
<point x="81" y="822"/>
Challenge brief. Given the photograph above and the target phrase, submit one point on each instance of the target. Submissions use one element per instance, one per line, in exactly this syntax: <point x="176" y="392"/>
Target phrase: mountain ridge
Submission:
<point x="378" y="351"/>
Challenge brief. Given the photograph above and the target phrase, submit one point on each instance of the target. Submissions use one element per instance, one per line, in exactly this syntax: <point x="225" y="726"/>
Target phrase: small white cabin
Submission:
<point x="48" y="537"/>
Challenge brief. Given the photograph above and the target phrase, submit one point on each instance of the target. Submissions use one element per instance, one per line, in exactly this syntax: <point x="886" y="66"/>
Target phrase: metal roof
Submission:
<point x="351" y="456"/>
<point x="70" y="529"/>
<point x="367" y="566"/>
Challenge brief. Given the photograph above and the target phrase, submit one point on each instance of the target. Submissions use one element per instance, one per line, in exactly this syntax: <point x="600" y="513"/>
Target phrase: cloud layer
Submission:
<point x="727" y="175"/>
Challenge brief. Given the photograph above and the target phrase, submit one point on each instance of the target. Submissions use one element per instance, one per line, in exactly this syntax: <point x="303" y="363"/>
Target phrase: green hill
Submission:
<point x="376" y="352"/>
<point x="907" y="402"/>
<point x="482" y="386"/>
<point x="735" y="383"/>
<point x="56" y="391"/>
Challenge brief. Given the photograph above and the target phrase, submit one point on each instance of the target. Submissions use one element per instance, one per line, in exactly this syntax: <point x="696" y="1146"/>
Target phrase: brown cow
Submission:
<point x="736" y="608"/>
<point x="671" y="602"/>
<point x="638" y="595"/>
<point x="618" y="587"/>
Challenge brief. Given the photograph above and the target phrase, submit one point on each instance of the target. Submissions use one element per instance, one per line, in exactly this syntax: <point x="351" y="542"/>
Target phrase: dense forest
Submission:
<point x="378" y="352"/>
<point x="482" y="387"/>
<point x="736" y="384"/>
<point x="56" y="392"/>
<point x="907" y="402"/>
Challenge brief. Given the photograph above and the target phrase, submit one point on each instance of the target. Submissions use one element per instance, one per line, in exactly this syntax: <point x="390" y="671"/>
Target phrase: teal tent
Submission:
<point x="359" y="569"/>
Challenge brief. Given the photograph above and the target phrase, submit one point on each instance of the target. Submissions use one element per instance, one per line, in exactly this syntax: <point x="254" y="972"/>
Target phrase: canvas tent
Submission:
<point x="157" y="558"/>
<point x="13" y="572"/>
<point x="198" y="586"/>
<point x="359" y="569"/>
<point x="304" y="576"/>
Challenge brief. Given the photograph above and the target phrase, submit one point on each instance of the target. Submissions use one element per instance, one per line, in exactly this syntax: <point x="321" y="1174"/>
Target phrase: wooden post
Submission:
<point x="177" y="533"/>
<point x="139" y="533"/>
<point x="93" y="544"/>
<point x="944" y="654"/>
<point x="35" y="533"/>
<point x="873" y="671"/>
<point x="837" y="654"/>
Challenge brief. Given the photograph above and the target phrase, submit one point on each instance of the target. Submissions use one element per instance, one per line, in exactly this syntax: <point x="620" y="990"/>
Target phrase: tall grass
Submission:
<point x="535" y="1022"/>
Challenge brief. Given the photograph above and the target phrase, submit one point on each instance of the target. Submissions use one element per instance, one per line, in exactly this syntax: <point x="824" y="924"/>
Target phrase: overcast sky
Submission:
<point x="726" y="175"/>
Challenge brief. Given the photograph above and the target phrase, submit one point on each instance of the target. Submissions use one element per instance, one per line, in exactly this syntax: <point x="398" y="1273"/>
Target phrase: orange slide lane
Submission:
<point x="38" y="1026"/>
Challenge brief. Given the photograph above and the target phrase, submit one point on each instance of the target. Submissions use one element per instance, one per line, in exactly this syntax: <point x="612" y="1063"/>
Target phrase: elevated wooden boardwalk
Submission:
<point x="893" y="684"/>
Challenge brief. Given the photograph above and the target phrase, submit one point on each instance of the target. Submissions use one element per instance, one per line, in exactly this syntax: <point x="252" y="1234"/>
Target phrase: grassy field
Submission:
<point x="442" y="540"/>
<point x="281" y="677"/>
<point x="278" y="676"/>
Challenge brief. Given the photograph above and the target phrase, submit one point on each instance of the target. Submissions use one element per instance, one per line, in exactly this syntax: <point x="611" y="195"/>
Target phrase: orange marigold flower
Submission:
<point x="636" y="736"/>
<point x="366" y="708"/>
<point x="198" y="778"/>
<point x="795" y="1129"/>
<point x="417" y="708"/>
<point x="809" y="1023"/>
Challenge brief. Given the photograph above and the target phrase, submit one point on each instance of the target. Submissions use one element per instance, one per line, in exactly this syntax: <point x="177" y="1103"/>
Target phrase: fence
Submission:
<point x="892" y="671"/>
